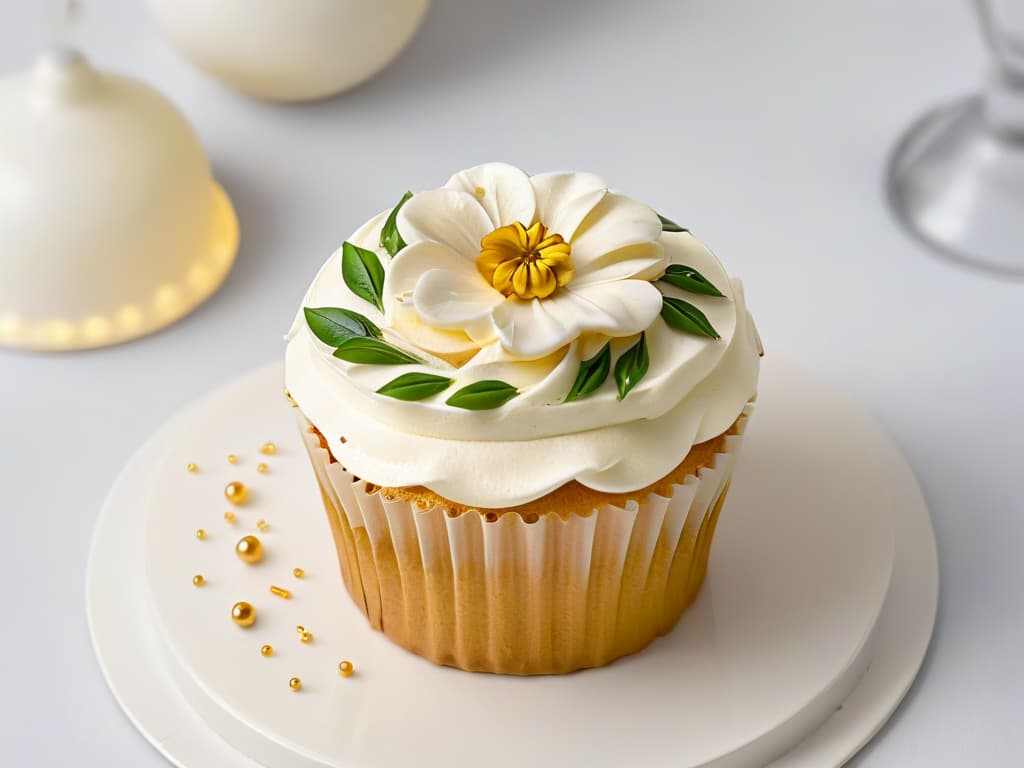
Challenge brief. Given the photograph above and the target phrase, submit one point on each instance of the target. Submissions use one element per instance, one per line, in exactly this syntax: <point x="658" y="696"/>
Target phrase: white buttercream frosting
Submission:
<point x="440" y="307"/>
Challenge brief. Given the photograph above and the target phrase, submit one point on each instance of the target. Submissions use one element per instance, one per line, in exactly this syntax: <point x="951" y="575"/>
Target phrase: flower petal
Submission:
<point x="621" y="308"/>
<point x="536" y="328"/>
<point x="565" y="199"/>
<point x="459" y="300"/>
<point x="502" y="190"/>
<point x="408" y="266"/>
<point x="644" y="261"/>
<point x="454" y="346"/>
<point x="614" y="223"/>
<point x="446" y="216"/>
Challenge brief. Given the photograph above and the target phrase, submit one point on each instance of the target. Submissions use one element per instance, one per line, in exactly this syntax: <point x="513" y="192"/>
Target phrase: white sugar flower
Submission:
<point x="529" y="261"/>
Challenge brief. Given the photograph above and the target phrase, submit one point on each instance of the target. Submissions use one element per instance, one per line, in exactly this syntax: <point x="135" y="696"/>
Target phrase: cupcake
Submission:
<point x="523" y="399"/>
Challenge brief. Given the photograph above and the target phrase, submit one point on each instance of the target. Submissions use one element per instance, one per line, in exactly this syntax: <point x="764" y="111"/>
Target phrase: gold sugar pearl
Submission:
<point x="266" y="651"/>
<point x="346" y="668"/>
<point x="198" y="580"/>
<point x="236" y="492"/>
<point x="200" y="534"/>
<point x="243" y="614"/>
<point x="295" y="684"/>
<point x="262" y="468"/>
<point x="232" y="459"/>
<point x="268" y="448"/>
<point x="298" y="573"/>
<point x="306" y="637"/>
<point x="192" y="467"/>
<point x="263" y="525"/>
<point x="230" y="517"/>
<point x="280" y="592"/>
<point x="249" y="550"/>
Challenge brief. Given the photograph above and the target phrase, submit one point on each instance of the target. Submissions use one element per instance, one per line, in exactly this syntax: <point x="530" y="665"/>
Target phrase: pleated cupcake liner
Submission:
<point x="506" y="596"/>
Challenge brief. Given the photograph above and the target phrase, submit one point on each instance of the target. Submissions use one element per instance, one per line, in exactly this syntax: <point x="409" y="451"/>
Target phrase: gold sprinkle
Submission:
<point x="280" y="592"/>
<point x="243" y="614"/>
<point x="263" y="525"/>
<point x="266" y="651"/>
<point x="295" y="684"/>
<point x="249" y="550"/>
<point x="291" y="399"/>
<point x="479" y="191"/>
<point x="268" y="448"/>
<point x="300" y="629"/>
<point x="192" y="467"/>
<point x="306" y="637"/>
<point x="298" y="573"/>
<point x="236" y="492"/>
<point x="346" y="668"/>
<point x="198" y="580"/>
<point x="230" y="517"/>
<point x="232" y="459"/>
<point x="200" y="534"/>
<point x="262" y="468"/>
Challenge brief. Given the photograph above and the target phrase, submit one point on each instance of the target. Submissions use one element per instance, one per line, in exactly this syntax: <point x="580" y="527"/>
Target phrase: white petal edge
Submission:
<point x="644" y="261"/>
<point x="615" y="222"/>
<point x="455" y="300"/>
<point x="453" y="346"/>
<point x="539" y="327"/>
<point x="408" y="266"/>
<point x="507" y="195"/>
<point x="565" y="199"/>
<point x="446" y="216"/>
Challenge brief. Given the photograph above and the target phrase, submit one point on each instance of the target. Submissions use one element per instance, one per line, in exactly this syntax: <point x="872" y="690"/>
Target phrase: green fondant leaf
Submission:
<point x="415" y="386"/>
<point x="689" y="279"/>
<point x="683" y="316"/>
<point x="370" y="351"/>
<point x="390" y="240"/>
<point x="667" y="225"/>
<point x="591" y="375"/>
<point x="632" y="366"/>
<point x="363" y="273"/>
<point x="333" y="325"/>
<point x="483" y="395"/>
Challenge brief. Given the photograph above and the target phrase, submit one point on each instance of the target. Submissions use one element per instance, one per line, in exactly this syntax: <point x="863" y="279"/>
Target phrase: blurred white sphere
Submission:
<point x="290" y="50"/>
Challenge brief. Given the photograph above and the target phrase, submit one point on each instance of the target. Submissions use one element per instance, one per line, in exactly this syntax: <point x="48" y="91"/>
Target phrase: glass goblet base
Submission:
<point x="957" y="183"/>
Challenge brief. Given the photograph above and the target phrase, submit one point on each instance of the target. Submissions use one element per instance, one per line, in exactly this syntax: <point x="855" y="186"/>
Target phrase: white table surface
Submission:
<point x="764" y="126"/>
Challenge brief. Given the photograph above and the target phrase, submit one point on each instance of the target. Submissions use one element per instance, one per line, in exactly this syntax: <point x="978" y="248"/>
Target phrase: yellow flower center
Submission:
<point x="525" y="263"/>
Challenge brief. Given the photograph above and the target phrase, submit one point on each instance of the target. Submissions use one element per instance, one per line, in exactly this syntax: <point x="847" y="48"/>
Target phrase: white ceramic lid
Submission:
<point x="111" y="225"/>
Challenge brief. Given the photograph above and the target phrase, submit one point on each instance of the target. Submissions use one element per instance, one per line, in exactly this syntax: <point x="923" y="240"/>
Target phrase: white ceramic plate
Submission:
<point x="824" y="566"/>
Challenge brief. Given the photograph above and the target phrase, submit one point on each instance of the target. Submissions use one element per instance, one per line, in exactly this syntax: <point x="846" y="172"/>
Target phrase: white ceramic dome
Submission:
<point x="111" y="225"/>
<point x="290" y="50"/>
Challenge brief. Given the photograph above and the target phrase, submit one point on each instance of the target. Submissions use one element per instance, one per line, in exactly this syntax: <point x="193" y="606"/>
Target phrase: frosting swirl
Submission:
<point x="517" y="279"/>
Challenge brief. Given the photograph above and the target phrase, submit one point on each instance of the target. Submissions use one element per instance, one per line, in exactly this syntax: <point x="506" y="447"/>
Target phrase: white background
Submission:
<point x="763" y="126"/>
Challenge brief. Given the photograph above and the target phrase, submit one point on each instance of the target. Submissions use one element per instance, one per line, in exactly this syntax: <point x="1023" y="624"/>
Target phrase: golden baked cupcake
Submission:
<point x="523" y="397"/>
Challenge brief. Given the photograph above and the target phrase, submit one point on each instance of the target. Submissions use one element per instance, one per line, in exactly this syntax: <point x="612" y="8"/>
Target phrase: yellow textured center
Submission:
<point x="525" y="263"/>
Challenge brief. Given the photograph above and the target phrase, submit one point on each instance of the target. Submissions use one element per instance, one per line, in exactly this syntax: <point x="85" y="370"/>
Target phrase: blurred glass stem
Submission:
<point x="956" y="178"/>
